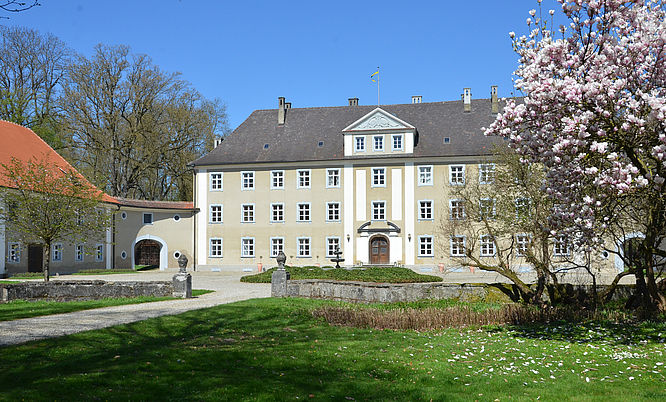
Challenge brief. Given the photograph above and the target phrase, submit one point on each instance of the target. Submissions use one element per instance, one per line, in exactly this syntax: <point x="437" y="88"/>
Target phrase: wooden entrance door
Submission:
<point x="35" y="257"/>
<point x="379" y="250"/>
<point x="147" y="252"/>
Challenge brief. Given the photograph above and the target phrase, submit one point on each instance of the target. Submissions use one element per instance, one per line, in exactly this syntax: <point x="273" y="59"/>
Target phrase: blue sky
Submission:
<point x="314" y="53"/>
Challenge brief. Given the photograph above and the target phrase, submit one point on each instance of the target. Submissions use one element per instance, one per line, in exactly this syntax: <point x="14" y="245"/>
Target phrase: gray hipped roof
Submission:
<point x="298" y="139"/>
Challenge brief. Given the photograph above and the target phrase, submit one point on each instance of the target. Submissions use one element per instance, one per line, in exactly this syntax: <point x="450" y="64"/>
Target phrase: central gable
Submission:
<point x="378" y="120"/>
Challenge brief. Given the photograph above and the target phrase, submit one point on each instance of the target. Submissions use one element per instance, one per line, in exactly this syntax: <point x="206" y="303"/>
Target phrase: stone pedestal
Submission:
<point x="182" y="285"/>
<point x="279" y="283"/>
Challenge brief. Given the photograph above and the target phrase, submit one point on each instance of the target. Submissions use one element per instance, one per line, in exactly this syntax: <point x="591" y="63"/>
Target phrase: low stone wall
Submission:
<point x="84" y="290"/>
<point x="366" y="292"/>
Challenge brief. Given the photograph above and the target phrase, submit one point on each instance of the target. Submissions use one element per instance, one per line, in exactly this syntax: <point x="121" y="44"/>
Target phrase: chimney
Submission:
<point x="494" y="104"/>
<point x="282" y="110"/>
<point x="353" y="101"/>
<point x="287" y="105"/>
<point x="467" y="99"/>
<point x="217" y="141"/>
<point x="416" y="99"/>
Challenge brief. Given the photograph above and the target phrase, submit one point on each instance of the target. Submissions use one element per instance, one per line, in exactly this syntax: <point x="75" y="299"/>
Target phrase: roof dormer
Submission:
<point x="379" y="133"/>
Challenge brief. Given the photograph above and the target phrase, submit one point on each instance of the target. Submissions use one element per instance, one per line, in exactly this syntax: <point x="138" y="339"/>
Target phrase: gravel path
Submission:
<point x="227" y="289"/>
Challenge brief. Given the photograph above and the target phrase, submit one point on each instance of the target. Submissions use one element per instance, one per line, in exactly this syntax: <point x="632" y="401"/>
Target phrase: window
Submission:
<point x="457" y="246"/>
<point x="216" y="182"/>
<point x="247" y="213"/>
<point x="425" y="246"/>
<point x="561" y="246"/>
<point x="247" y="180"/>
<point x="215" y="247"/>
<point x="487" y="173"/>
<point x="14" y="255"/>
<point x="486" y="208"/>
<point x="522" y="242"/>
<point x="457" y="175"/>
<point x="79" y="218"/>
<point x="303" y="212"/>
<point x="147" y="218"/>
<point x="396" y="144"/>
<point x="277" y="245"/>
<point x="277" y="179"/>
<point x="332" y="178"/>
<point x="360" y="144"/>
<point x="78" y="252"/>
<point x="425" y="175"/>
<point x="247" y="247"/>
<point x="425" y="210"/>
<point x="332" y="244"/>
<point x="332" y="211"/>
<point x="378" y="143"/>
<point x="303" y="247"/>
<point x="456" y="209"/>
<point x="378" y="210"/>
<point x="99" y="252"/>
<point x="378" y="177"/>
<point x="522" y="208"/>
<point x="303" y="178"/>
<point x="57" y="252"/>
<point x="277" y="212"/>
<point x="487" y="246"/>
<point x="216" y="213"/>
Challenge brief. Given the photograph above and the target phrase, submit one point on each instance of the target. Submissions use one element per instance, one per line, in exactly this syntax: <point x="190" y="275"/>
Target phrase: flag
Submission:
<point x="373" y="74"/>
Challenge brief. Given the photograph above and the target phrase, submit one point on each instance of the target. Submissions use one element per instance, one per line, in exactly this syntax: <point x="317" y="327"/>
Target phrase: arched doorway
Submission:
<point x="379" y="250"/>
<point x="147" y="252"/>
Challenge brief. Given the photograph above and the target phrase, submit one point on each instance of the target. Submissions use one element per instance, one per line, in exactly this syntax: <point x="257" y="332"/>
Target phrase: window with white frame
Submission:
<point x="457" y="175"/>
<point x="332" y="244"/>
<point x="522" y="243"/>
<point x="396" y="143"/>
<point x="303" y="249"/>
<point x="360" y="144"/>
<point x="378" y="210"/>
<point x="247" y="213"/>
<point x="457" y="246"/>
<point x="216" y="213"/>
<point x="14" y="253"/>
<point x="247" y="180"/>
<point x="378" y="177"/>
<point x="522" y="208"/>
<point x="332" y="178"/>
<point x="57" y="252"/>
<point x="487" y="208"/>
<point x="425" y="175"/>
<point x="277" y="179"/>
<point x="79" y="218"/>
<point x="303" y="178"/>
<point x="378" y="143"/>
<point x="425" y="246"/>
<point x="215" y="247"/>
<point x="561" y="246"/>
<point x="425" y="210"/>
<point x="456" y="209"/>
<point x="277" y="212"/>
<point x="486" y="173"/>
<point x="147" y="218"/>
<point x="303" y="210"/>
<point x="247" y="247"/>
<point x="99" y="252"/>
<point x="487" y="244"/>
<point x="78" y="252"/>
<point x="277" y="245"/>
<point x="332" y="211"/>
<point x="216" y="181"/>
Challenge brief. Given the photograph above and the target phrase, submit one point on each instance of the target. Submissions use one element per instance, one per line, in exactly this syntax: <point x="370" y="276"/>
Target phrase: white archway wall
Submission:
<point x="164" y="250"/>
<point x="3" y="251"/>
<point x="619" y="263"/>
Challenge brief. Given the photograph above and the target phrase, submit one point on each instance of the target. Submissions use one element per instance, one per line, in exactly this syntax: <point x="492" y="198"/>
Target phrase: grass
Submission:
<point x="369" y="274"/>
<point x="274" y="349"/>
<point x="17" y="309"/>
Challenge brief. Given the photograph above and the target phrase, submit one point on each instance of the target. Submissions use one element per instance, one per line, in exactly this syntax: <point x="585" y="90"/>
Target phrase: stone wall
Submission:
<point x="83" y="290"/>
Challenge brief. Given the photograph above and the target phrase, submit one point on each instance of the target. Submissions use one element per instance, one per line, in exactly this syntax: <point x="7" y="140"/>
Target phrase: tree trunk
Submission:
<point x="46" y="251"/>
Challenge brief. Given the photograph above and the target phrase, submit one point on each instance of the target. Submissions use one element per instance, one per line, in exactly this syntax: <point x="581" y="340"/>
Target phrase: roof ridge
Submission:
<point x="389" y="104"/>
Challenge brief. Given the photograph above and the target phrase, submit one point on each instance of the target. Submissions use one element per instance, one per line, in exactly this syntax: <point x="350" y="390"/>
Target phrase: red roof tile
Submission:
<point x="128" y="202"/>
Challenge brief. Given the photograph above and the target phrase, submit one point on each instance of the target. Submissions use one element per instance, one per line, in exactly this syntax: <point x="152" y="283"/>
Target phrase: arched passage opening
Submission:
<point x="145" y="247"/>
<point x="379" y="250"/>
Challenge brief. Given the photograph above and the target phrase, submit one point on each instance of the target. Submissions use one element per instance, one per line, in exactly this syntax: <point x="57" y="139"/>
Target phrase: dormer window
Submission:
<point x="378" y="143"/>
<point x="360" y="144"/>
<point x="396" y="144"/>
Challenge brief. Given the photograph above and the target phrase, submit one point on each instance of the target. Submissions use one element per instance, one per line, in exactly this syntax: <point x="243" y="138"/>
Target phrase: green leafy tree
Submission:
<point x="47" y="204"/>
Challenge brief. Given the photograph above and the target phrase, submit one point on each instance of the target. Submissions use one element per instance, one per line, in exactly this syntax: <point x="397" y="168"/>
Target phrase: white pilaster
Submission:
<point x="409" y="143"/>
<point x="3" y="243"/>
<point x="396" y="194"/>
<point x="109" y="248"/>
<point x="395" y="248"/>
<point x="201" y="217"/>
<point x="348" y="143"/>
<point x="363" y="252"/>
<point x="409" y="213"/>
<point x="348" y="214"/>
<point x="360" y="195"/>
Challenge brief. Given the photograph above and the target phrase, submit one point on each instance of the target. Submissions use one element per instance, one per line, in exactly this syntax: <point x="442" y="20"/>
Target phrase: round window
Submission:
<point x="176" y="218"/>
<point x="123" y="255"/>
<point x="123" y="215"/>
<point x="176" y="255"/>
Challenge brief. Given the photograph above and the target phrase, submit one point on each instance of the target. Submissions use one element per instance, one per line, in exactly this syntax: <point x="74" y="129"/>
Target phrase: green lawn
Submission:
<point x="368" y="274"/>
<point x="272" y="349"/>
<point x="25" y="309"/>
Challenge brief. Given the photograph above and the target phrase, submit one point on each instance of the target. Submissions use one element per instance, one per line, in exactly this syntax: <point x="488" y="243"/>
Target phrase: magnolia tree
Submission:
<point x="594" y="114"/>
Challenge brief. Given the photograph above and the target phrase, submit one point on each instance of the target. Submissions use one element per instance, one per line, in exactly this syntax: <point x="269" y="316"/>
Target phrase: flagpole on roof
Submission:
<point x="377" y="81"/>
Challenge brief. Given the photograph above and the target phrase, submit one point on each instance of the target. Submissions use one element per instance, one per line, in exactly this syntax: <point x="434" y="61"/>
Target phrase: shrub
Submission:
<point x="368" y="274"/>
